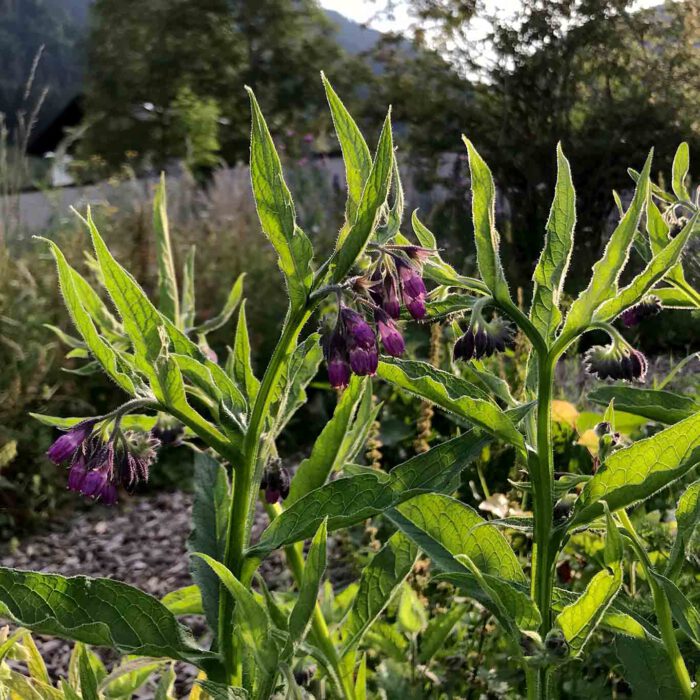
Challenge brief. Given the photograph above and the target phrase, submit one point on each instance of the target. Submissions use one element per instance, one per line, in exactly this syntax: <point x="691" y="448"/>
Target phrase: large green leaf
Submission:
<point x="103" y="352"/>
<point x="374" y="195"/>
<point x="350" y="500"/>
<point x="485" y="234"/>
<point x="579" y="619"/>
<point x="209" y="523"/>
<point x="276" y="210"/>
<point x="640" y="470"/>
<point x="648" y="669"/>
<point x="606" y="272"/>
<point x="660" y="406"/>
<point x="331" y="448"/>
<point x="444" y="527"/>
<point x="356" y="154"/>
<point x="452" y="394"/>
<point x="554" y="260"/>
<point x="644" y="282"/>
<point x="687" y="519"/>
<point x="380" y="581"/>
<point x="98" y="612"/>
<point x="168" y="300"/>
<point x="314" y="568"/>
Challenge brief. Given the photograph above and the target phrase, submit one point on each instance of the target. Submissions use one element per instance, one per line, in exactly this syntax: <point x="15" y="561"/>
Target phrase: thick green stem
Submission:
<point x="661" y="607"/>
<point x="543" y="488"/>
<point x="245" y="492"/>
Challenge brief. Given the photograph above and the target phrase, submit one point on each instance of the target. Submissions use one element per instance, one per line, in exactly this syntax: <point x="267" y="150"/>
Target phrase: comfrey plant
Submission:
<point x="160" y="358"/>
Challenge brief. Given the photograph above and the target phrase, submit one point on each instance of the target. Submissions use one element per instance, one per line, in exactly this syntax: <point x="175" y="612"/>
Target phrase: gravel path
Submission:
<point x="141" y="542"/>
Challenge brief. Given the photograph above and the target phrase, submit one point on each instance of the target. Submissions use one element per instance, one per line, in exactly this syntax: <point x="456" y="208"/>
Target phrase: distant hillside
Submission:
<point x="60" y="26"/>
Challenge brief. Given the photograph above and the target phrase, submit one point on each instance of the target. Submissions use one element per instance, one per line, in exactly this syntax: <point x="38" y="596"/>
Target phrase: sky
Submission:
<point x="363" y="10"/>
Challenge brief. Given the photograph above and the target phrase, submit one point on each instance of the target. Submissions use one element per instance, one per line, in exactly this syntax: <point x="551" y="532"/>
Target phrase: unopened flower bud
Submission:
<point x="392" y="340"/>
<point x="65" y="446"/>
<point x="648" y="307"/>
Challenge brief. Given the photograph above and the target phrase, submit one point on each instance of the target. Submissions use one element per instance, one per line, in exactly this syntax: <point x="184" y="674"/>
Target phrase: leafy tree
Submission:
<point x="141" y="55"/>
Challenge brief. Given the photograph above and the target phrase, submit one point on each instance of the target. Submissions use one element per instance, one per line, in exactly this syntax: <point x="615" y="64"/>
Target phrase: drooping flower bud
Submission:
<point x="464" y="347"/>
<point x="390" y="297"/>
<point x="613" y="362"/>
<point x="66" y="446"/>
<point x="363" y="362"/>
<point x="168" y="430"/>
<point x="357" y="329"/>
<point x="337" y="361"/>
<point x="76" y="475"/>
<point x="392" y="340"/>
<point x="647" y="307"/>
<point x="275" y="482"/>
<point x="482" y="339"/>
<point x="413" y="289"/>
<point x="139" y="453"/>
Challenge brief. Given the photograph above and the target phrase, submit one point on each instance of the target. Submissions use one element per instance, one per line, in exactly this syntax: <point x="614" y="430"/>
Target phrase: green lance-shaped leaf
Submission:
<point x="374" y="195"/>
<point x="452" y="394"/>
<point x="683" y="611"/>
<point x="218" y="691"/>
<point x="168" y="300"/>
<point x="687" y="519"/>
<point x="132" y="421"/>
<point x="606" y="272"/>
<point x="98" y="612"/>
<point x="166" y="685"/>
<point x="88" y="680"/>
<point x="301" y="368"/>
<point x="97" y="309"/>
<point x="648" y="669"/>
<point x="184" y="601"/>
<point x="242" y="368"/>
<point x="644" y="282"/>
<point x="657" y="230"/>
<point x="438" y="630"/>
<point x="276" y="210"/>
<point x="103" y="352"/>
<point x="485" y="234"/>
<point x="681" y="165"/>
<point x="252" y="620"/>
<point x="331" y="448"/>
<point x="660" y="406"/>
<point x="232" y="301"/>
<point x="379" y="583"/>
<point x="19" y="686"/>
<point x="188" y="290"/>
<point x="128" y="677"/>
<point x="672" y="298"/>
<point x="300" y="617"/>
<point x="554" y="261"/>
<point x="578" y="620"/>
<point x="350" y="500"/>
<point x="356" y="153"/>
<point x="640" y="470"/>
<point x="209" y="522"/>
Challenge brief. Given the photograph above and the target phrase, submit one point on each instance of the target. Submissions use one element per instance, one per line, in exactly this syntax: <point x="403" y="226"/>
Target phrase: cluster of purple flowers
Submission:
<point x="97" y="467"/>
<point x="648" y="307"/>
<point x="483" y="339"/>
<point x="615" y="362"/>
<point x="351" y="347"/>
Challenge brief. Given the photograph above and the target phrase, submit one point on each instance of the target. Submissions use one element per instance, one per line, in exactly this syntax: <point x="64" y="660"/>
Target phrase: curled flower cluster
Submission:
<point x="647" y="307"/>
<point x="483" y="339"/>
<point x="352" y="347"/>
<point x="616" y="362"/>
<point x="97" y="467"/>
<point x="275" y="482"/>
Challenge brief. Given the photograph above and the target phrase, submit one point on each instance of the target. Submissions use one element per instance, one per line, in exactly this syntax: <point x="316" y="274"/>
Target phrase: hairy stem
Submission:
<point x="543" y="480"/>
<point x="661" y="607"/>
<point x="245" y="491"/>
